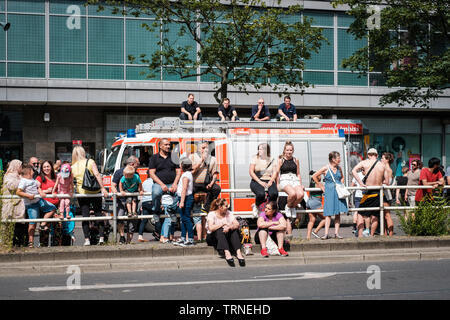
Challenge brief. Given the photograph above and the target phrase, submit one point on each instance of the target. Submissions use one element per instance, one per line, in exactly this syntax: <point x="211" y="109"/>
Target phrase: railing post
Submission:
<point x="382" y="210"/>
<point x="114" y="218"/>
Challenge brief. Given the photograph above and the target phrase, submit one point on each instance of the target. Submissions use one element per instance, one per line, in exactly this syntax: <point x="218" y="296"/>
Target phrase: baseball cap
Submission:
<point x="65" y="170"/>
<point x="372" y="150"/>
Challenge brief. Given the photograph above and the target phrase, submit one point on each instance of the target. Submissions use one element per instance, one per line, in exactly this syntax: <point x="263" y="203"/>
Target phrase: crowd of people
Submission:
<point x="190" y="110"/>
<point x="173" y="189"/>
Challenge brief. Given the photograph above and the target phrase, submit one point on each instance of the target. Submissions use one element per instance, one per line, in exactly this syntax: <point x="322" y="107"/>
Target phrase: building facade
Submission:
<point x="65" y="77"/>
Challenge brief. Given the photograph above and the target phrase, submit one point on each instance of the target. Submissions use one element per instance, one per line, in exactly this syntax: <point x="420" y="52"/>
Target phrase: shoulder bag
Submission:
<point x="341" y="190"/>
<point x="259" y="174"/>
<point x="90" y="182"/>
<point x="367" y="175"/>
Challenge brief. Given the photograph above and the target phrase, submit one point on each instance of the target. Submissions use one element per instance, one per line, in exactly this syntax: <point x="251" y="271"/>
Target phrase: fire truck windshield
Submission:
<point x="111" y="161"/>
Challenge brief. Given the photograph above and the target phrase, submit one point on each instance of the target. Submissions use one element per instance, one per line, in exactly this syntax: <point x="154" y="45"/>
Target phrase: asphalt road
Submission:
<point x="388" y="280"/>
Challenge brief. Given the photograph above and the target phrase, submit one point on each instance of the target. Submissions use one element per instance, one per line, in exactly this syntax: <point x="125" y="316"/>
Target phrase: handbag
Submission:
<point x="341" y="190"/>
<point x="259" y="174"/>
<point x="90" y="182"/>
<point x="272" y="247"/>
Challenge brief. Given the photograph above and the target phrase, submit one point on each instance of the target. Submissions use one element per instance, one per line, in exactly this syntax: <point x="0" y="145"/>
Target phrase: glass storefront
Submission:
<point x="408" y="139"/>
<point x="404" y="147"/>
<point x="11" y="123"/>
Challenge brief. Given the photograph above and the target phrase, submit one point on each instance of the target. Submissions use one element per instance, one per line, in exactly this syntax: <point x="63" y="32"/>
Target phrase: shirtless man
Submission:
<point x="388" y="158"/>
<point x="370" y="198"/>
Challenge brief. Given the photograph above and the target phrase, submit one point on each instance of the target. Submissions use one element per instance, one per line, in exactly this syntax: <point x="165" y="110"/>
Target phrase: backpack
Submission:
<point x="244" y="230"/>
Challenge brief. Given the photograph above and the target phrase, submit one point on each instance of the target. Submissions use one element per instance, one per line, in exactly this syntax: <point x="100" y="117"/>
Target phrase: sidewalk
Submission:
<point x="154" y="256"/>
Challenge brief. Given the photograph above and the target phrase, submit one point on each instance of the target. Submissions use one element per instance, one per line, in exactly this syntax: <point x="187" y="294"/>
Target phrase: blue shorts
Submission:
<point x="197" y="219"/>
<point x="34" y="209"/>
<point x="314" y="203"/>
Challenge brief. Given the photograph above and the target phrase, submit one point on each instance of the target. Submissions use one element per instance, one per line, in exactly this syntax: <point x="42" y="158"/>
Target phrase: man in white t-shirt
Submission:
<point x="357" y="196"/>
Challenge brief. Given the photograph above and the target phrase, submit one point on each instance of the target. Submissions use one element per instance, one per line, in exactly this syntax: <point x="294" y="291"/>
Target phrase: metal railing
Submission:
<point x="244" y="214"/>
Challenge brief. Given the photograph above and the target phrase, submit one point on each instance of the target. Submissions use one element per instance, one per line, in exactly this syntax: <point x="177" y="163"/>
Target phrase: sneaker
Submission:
<point x="134" y="214"/>
<point x="315" y="235"/>
<point x="264" y="253"/>
<point x="180" y="242"/>
<point x="101" y="242"/>
<point x="283" y="253"/>
<point x="203" y="209"/>
<point x="87" y="242"/>
<point x="366" y="233"/>
<point x="122" y="240"/>
<point x="189" y="243"/>
<point x="129" y="215"/>
<point x="287" y="211"/>
<point x="326" y="237"/>
<point x="156" y="236"/>
<point x="336" y="236"/>
<point x="255" y="211"/>
<point x="293" y="212"/>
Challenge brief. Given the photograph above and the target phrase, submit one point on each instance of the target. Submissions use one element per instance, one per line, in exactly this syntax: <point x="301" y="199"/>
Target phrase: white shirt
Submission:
<point x="190" y="188"/>
<point x="147" y="185"/>
<point x="31" y="187"/>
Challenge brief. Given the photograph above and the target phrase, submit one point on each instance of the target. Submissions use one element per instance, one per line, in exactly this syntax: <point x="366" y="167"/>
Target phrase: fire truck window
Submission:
<point x="145" y="154"/>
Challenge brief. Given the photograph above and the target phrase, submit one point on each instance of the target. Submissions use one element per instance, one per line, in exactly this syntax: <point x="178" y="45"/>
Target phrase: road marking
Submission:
<point x="303" y="276"/>
<point x="312" y="275"/>
<point x="268" y="298"/>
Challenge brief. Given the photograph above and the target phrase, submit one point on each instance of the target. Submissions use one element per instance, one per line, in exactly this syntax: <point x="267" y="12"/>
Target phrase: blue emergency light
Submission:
<point x="341" y="133"/>
<point x="131" y="133"/>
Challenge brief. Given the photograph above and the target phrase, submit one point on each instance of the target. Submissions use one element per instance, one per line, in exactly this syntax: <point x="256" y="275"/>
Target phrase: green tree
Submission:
<point x="409" y="45"/>
<point x="237" y="43"/>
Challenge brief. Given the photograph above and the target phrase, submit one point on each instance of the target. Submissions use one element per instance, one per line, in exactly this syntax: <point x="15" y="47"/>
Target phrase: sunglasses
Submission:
<point x="35" y="163"/>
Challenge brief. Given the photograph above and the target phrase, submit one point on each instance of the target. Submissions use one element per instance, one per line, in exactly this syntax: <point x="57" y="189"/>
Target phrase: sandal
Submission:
<point x="30" y="245"/>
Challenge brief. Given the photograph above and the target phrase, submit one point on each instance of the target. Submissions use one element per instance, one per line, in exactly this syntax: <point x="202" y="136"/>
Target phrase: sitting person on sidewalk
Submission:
<point x="223" y="231"/>
<point x="29" y="188"/>
<point x="272" y="224"/>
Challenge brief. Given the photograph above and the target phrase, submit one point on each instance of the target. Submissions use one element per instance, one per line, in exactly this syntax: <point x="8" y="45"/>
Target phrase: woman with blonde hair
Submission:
<point x="290" y="182"/>
<point x="79" y="165"/>
<point x="14" y="208"/>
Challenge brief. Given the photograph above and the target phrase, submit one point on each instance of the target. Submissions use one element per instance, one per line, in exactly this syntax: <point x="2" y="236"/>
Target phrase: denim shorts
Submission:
<point x="314" y="203"/>
<point x="34" y="209"/>
<point x="197" y="219"/>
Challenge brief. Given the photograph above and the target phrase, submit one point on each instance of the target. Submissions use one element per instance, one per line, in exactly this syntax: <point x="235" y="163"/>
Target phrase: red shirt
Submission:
<point x="426" y="174"/>
<point x="44" y="186"/>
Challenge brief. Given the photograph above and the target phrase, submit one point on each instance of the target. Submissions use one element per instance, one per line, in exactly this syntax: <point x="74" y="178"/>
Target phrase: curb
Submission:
<point x="159" y="250"/>
<point x="206" y="261"/>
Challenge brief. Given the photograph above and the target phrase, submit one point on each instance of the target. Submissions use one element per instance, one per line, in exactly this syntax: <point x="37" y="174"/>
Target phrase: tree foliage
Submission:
<point x="410" y="47"/>
<point x="238" y="43"/>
